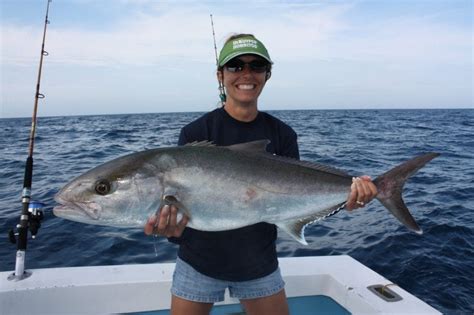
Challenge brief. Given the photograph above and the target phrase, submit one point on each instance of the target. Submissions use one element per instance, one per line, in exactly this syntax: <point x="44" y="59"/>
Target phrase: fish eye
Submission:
<point x="102" y="187"/>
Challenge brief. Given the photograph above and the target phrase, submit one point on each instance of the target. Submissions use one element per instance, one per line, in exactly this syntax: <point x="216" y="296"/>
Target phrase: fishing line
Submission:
<point x="155" y="242"/>
<point x="222" y="95"/>
<point x="31" y="213"/>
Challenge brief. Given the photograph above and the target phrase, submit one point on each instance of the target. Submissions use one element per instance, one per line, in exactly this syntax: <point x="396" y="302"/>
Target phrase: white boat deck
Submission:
<point x="140" y="288"/>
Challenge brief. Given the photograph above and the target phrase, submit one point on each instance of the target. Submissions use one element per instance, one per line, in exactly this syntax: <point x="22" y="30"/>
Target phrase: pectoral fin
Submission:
<point x="171" y="200"/>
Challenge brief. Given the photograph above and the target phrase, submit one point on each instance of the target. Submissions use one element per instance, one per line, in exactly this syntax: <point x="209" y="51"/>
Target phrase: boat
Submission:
<point x="314" y="285"/>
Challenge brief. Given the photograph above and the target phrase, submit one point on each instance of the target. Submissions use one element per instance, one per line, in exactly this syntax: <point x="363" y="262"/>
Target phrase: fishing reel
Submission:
<point x="35" y="215"/>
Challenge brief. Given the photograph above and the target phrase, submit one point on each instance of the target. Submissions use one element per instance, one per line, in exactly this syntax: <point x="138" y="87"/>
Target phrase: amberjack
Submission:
<point x="223" y="188"/>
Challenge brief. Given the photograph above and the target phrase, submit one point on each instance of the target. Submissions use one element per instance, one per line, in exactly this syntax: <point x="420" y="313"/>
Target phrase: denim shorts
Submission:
<point x="192" y="285"/>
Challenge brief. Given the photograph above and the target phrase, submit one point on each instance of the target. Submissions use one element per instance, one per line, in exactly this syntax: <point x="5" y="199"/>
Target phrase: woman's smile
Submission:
<point x="246" y="86"/>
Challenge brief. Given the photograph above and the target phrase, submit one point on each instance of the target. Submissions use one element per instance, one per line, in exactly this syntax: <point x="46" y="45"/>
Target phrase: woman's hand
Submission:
<point x="166" y="224"/>
<point x="362" y="192"/>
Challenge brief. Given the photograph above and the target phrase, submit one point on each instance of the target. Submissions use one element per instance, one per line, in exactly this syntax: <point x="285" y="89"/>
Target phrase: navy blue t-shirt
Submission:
<point x="249" y="252"/>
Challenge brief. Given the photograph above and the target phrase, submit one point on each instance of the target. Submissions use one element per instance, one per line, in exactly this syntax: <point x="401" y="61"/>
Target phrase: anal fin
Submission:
<point x="295" y="228"/>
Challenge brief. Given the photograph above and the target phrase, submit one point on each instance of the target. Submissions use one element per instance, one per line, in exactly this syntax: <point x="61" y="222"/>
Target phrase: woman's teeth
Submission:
<point x="245" y="86"/>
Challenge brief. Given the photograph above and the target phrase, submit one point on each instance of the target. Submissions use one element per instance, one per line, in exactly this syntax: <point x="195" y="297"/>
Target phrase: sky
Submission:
<point x="144" y="56"/>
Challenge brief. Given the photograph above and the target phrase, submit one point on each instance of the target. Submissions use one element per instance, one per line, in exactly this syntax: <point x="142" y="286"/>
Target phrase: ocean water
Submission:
<point x="436" y="266"/>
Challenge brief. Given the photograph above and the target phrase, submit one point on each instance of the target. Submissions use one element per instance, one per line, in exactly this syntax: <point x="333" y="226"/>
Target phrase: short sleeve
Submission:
<point x="182" y="137"/>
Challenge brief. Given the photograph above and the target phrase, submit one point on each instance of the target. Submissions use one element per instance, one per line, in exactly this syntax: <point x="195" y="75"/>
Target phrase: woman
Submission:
<point x="243" y="260"/>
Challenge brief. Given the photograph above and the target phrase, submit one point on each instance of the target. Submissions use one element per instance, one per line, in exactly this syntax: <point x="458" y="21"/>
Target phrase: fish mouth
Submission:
<point x="75" y="210"/>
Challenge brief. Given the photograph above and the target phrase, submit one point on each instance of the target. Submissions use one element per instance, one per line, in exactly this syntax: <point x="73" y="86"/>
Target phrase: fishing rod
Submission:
<point x="222" y="95"/>
<point x="31" y="214"/>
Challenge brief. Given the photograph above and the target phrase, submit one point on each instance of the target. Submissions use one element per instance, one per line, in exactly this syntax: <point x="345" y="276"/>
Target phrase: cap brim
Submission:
<point x="240" y="53"/>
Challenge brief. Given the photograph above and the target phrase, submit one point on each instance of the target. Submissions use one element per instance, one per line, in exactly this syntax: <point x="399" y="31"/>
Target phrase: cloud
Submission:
<point x="297" y="31"/>
<point x="148" y="37"/>
<point x="409" y="40"/>
<point x="139" y="40"/>
<point x="330" y="50"/>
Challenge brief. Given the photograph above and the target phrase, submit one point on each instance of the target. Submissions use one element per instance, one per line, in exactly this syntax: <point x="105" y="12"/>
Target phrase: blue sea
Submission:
<point x="437" y="267"/>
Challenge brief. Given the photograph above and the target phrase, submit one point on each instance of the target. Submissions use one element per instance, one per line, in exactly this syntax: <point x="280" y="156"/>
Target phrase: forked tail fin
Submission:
<point x="390" y="187"/>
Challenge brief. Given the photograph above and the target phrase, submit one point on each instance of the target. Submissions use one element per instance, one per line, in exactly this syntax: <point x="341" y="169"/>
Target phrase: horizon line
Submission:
<point x="266" y="110"/>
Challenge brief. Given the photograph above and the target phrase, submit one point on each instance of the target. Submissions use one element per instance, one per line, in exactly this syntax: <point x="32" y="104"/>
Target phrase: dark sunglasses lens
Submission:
<point x="258" y="65"/>
<point x="235" y="65"/>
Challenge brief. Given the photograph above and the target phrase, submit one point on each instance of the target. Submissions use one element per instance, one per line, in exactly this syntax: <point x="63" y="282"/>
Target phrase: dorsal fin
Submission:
<point x="258" y="146"/>
<point x="204" y="143"/>
<point x="313" y="165"/>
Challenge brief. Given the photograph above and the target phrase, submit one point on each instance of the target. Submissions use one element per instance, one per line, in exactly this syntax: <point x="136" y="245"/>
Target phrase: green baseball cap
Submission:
<point x="243" y="46"/>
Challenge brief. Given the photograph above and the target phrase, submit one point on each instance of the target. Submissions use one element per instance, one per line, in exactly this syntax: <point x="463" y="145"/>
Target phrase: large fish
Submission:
<point x="223" y="188"/>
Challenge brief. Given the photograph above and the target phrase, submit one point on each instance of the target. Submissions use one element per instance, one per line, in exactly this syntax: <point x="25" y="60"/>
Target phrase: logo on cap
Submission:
<point x="244" y="43"/>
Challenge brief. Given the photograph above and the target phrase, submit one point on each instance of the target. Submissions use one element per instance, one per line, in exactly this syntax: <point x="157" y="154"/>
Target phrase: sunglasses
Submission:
<point x="237" y="65"/>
